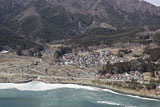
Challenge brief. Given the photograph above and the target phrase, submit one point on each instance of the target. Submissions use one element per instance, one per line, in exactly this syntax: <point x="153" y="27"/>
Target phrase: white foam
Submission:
<point x="130" y="106"/>
<point x="107" y="102"/>
<point x="130" y="95"/>
<point x="40" y="86"/>
<point x="141" y="97"/>
<point x="107" y="90"/>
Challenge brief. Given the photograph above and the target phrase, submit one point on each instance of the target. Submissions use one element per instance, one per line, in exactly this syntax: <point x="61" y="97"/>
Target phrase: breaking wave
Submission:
<point x="106" y="102"/>
<point x="133" y="96"/>
<point x="41" y="86"/>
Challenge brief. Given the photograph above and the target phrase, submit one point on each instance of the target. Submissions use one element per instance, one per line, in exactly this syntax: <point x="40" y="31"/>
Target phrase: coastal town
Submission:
<point x="90" y="60"/>
<point x="107" y="65"/>
<point x="79" y="53"/>
<point x="101" y="57"/>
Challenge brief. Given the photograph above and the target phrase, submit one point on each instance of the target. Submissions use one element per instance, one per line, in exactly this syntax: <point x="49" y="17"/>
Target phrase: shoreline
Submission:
<point x="119" y="91"/>
<point x="122" y="92"/>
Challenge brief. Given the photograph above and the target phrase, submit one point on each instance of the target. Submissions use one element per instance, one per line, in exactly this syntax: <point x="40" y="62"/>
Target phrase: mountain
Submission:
<point x="45" y="20"/>
<point x="12" y="40"/>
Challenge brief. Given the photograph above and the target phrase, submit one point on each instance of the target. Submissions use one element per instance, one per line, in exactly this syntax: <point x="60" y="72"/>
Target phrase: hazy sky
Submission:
<point x="155" y="2"/>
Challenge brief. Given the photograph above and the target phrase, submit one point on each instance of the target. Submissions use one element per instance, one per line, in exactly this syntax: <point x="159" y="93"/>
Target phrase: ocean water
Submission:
<point x="39" y="94"/>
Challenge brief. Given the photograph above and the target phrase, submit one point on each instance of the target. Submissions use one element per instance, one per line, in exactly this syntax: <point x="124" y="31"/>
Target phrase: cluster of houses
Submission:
<point x="126" y="76"/>
<point x="86" y="59"/>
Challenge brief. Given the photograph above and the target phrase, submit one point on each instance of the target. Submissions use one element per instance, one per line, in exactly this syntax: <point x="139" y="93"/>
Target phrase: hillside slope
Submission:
<point x="56" y="19"/>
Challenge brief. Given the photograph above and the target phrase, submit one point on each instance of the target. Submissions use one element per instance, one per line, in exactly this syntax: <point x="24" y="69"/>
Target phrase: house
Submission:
<point x="115" y="76"/>
<point x="147" y="76"/>
<point x="158" y="89"/>
<point x="157" y="74"/>
<point x="4" y="51"/>
<point x="108" y="75"/>
<point x="158" y="86"/>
